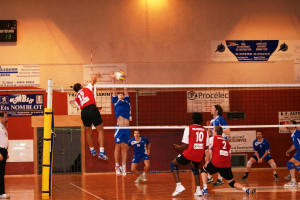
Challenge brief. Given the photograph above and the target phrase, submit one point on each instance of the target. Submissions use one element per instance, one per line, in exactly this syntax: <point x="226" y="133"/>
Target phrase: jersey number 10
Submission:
<point x="199" y="136"/>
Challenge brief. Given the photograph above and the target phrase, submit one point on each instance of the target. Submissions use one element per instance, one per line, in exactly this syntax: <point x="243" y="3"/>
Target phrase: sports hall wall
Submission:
<point x="161" y="42"/>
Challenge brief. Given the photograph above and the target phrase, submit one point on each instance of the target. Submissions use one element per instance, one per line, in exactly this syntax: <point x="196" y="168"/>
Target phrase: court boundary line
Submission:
<point x="86" y="191"/>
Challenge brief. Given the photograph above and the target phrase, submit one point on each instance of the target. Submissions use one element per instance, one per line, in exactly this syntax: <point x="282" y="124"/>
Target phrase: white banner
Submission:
<point x="203" y="100"/>
<point x="19" y="75"/>
<point x="242" y="141"/>
<point x="285" y="118"/>
<point x="104" y="69"/>
<point x="20" y="151"/>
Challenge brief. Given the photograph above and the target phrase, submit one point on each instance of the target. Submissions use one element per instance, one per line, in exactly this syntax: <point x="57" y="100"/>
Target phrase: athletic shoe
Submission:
<point x="138" y="180"/>
<point x="4" y="196"/>
<point x="205" y="191"/>
<point x="198" y="193"/>
<point x="288" y="177"/>
<point x="178" y="190"/>
<point x="251" y="191"/>
<point x="145" y="178"/>
<point x="290" y="184"/>
<point x="102" y="155"/>
<point x="93" y="152"/>
<point x="245" y="177"/>
<point x="218" y="183"/>
<point x="123" y="170"/>
<point x="210" y="180"/>
<point x="276" y="177"/>
<point x="118" y="171"/>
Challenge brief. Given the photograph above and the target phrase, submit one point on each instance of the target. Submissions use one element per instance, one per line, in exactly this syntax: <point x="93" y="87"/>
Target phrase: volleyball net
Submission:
<point x="161" y="112"/>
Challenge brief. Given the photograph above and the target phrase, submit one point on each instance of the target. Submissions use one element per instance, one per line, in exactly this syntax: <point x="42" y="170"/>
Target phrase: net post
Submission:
<point x="47" y="145"/>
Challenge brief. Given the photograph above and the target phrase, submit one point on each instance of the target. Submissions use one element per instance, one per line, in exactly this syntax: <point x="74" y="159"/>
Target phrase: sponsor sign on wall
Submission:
<point x="22" y="104"/>
<point x="242" y="141"/>
<point x="203" y="100"/>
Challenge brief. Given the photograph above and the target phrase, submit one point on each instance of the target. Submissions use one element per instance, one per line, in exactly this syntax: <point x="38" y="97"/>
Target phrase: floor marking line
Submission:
<point x="86" y="191"/>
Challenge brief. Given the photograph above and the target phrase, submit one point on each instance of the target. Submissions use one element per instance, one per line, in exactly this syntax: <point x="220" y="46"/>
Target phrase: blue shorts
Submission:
<point x="137" y="158"/>
<point x="297" y="156"/>
<point x="122" y="135"/>
<point x="267" y="158"/>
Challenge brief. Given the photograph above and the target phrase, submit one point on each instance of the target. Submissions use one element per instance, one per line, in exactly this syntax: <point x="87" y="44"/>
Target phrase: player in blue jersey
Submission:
<point x="218" y="120"/>
<point x="261" y="152"/>
<point x="141" y="147"/>
<point x="294" y="162"/>
<point x="122" y="109"/>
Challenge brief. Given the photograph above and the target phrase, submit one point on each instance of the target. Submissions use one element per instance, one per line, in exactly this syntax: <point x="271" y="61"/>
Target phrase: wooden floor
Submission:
<point x="159" y="186"/>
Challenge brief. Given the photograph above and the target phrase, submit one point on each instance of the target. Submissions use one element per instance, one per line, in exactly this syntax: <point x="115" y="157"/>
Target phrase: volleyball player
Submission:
<point x="261" y="152"/>
<point x="90" y="115"/>
<point x="294" y="162"/>
<point x="195" y="142"/>
<point x="141" y="147"/>
<point x="122" y="109"/>
<point x="220" y="162"/>
<point x="217" y="120"/>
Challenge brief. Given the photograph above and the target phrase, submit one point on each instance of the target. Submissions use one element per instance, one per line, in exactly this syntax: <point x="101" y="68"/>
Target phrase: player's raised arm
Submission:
<point x="112" y="76"/>
<point x="94" y="78"/>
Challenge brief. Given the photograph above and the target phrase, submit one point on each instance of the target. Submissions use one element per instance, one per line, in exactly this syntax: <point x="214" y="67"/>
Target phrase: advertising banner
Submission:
<point x="22" y="104"/>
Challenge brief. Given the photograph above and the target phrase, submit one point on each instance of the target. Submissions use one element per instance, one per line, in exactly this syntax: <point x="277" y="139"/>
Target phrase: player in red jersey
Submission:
<point x="90" y="115"/>
<point x="195" y="142"/>
<point x="220" y="162"/>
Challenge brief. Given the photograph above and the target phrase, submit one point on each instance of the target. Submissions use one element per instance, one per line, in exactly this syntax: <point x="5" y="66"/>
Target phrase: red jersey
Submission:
<point x="196" y="137"/>
<point x="85" y="97"/>
<point x="220" y="152"/>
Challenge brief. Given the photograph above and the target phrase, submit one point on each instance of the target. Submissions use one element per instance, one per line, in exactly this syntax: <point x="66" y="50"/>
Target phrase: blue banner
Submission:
<point x="22" y="104"/>
<point x="253" y="50"/>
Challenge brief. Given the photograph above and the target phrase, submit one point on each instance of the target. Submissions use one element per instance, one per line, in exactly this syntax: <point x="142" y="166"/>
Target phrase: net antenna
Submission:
<point x="48" y="144"/>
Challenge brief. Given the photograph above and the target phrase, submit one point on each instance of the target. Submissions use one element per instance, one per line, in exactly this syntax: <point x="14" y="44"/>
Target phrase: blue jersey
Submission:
<point x="139" y="147"/>
<point x="219" y="121"/>
<point x="122" y="107"/>
<point x="296" y="139"/>
<point x="261" y="147"/>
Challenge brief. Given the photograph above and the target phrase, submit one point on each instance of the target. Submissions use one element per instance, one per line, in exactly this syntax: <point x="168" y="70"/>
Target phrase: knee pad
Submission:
<point x="297" y="167"/>
<point x="203" y="170"/>
<point x="273" y="165"/>
<point x="290" y="165"/>
<point x="232" y="184"/>
<point x="249" y="163"/>
<point x="173" y="167"/>
<point x="195" y="171"/>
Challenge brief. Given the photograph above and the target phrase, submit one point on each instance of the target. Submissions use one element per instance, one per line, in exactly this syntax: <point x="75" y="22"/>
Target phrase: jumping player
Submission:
<point x="217" y="120"/>
<point x="294" y="162"/>
<point x="195" y="142"/>
<point x="90" y="115"/>
<point x="261" y="152"/>
<point x="220" y="162"/>
<point x="122" y="109"/>
<point x="141" y="147"/>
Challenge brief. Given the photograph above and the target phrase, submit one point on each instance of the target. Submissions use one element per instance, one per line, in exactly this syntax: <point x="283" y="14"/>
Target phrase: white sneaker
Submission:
<point x="4" y="196"/>
<point x="145" y="178"/>
<point x="198" y="193"/>
<point x="118" y="171"/>
<point x="123" y="170"/>
<point x="290" y="184"/>
<point x="178" y="190"/>
<point x="139" y="179"/>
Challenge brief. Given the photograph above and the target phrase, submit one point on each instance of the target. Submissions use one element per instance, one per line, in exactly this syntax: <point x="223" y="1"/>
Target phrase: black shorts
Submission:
<point x="91" y="115"/>
<point x="224" y="172"/>
<point x="183" y="161"/>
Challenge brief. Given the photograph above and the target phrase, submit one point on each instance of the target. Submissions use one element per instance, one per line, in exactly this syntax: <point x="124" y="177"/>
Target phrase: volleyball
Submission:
<point x="120" y="75"/>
